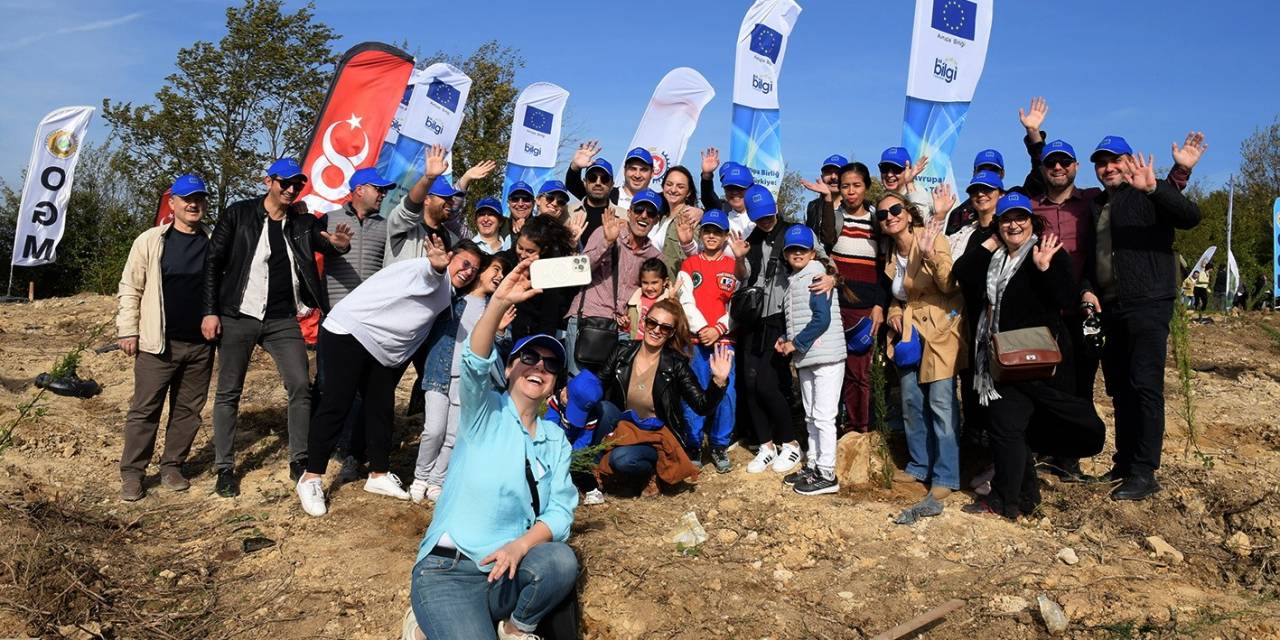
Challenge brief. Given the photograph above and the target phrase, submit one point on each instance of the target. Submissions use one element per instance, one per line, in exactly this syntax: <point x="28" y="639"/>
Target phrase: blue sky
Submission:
<point x="1149" y="70"/>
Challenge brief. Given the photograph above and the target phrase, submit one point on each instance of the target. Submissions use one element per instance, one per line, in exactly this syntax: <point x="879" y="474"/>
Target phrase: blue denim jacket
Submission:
<point x="438" y="370"/>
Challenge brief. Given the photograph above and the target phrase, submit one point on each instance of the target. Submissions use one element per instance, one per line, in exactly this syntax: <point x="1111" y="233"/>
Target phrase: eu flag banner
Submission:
<point x="535" y="135"/>
<point x="430" y="112"/>
<point x="948" y="53"/>
<point x="756" y="139"/>
<point x="671" y="117"/>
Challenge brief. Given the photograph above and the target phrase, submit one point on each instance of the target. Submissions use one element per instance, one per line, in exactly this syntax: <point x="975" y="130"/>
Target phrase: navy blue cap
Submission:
<point x="988" y="156"/>
<point x="986" y="178"/>
<point x="859" y="338"/>
<point x="1012" y="201"/>
<point x="442" y="188"/>
<point x="1111" y="144"/>
<point x="368" y="175"/>
<point x="284" y="168"/>
<point x="585" y="392"/>
<point x="186" y="185"/>
<point x="647" y="195"/>
<point x="835" y="161"/>
<point x="539" y="340"/>
<point x="737" y="176"/>
<point x="520" y="186"/>
<point x="641" y="154"/>
<point x="553" y="186"/>
<point x="603" y="165"/>
<point x="714" y="218"/>
<point x="798" y="236"/>
<point x="1057" y="146"/>
<point x="760" y="203"/>
<point x="896" y="156"/>
<point x="491" y="204"/>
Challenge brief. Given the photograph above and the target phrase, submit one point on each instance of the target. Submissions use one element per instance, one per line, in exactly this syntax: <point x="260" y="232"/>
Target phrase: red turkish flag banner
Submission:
<point x="164" y="212"/>
<point x="367" y="87"/>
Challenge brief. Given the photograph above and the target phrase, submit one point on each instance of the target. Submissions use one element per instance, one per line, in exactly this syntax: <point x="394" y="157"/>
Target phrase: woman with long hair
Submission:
<point x="542" y="237"/>
<point x="673" y="234"/>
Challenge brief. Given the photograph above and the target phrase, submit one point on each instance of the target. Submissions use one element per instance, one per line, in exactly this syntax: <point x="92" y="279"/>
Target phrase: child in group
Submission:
<point x="440" y="378"/>
<point x="815" y="342"/>
<point x="655" y="284"/>
<point x="705" y="284"/>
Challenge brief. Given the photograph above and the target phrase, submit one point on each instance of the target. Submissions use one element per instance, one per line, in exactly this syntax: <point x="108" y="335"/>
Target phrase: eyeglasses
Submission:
<point x="1063" y="162"/>
<point x="292" y="183"/>
<point x="895" y="211"/>
<point x="653" y="325"/>
<point x="520" y="199"/>
<point x="531" y="358"/>
<point x="1013" y="218"/>
<point x="599" y="176"/>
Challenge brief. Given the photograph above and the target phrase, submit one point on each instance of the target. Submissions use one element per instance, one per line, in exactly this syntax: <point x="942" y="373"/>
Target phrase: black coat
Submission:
<point x="231" y="248"/>
<point x="673" y="382"/>
<point x="1142" y="227"/>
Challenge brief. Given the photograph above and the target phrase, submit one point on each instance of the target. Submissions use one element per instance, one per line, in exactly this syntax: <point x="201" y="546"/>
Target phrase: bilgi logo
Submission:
<point x="946" y="69"/>
<point x="763" y="85"/>
<point x="532" y="150"/>
<point x="434" y="126"/>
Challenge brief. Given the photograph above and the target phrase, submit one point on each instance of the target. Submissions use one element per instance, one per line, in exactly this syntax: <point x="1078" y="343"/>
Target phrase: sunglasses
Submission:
<point x="531" y="358"/>
<point x="1063" y="162"/>
<point x="654" y="325"/>
<point x="599" y="176"/>
<point x="883" y="214"/>
<point x="645" y="211"/>
<point x="292" y="183"/>
<point x="559" y="201"/>
<point x="520" y="199"/>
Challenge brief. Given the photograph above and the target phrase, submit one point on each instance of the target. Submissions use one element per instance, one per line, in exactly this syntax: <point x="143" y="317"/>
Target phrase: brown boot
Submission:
<point x="171" y="479"/>
<point x="131" y="489"/>
<point x="651" y="489"/>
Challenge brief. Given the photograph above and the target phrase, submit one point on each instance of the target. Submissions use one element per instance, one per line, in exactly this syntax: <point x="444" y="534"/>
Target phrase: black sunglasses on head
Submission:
<point x="531" y="358"/>
<point x="895" y="211"/>
<point x="654" y="325"/>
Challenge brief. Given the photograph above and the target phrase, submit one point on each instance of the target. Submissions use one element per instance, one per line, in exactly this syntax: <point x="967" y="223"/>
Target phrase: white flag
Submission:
<point x="535" y="130"/>
<point x="43" y="212"/>
<point x="433" y="114"/>
<point x="671" y="117"/>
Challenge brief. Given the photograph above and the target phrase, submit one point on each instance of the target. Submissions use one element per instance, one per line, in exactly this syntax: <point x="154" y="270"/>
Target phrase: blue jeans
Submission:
<point x="639" y="460"/>
<point x="721" y="430"/>
<point x="453" y="600"/>
<point x="931" y="430"/>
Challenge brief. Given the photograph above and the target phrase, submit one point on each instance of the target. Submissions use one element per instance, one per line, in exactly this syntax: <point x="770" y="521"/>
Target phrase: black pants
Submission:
<point x="351" y="442"/>
<point x="1202" y="298"/>
<point x="764" y="385"/>
<point x="350" y="369"/>
<point x="1133" y="368"/>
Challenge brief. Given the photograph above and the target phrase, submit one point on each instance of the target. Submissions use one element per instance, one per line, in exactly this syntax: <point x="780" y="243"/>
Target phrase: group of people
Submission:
<point x="706" y="309"/>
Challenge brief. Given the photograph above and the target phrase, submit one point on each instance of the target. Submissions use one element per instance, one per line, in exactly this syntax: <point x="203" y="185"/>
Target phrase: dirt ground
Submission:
<point x="77" y="562"/>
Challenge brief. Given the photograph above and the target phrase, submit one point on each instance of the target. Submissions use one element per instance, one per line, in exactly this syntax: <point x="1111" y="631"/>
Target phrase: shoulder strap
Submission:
<point x="533" y="487"/>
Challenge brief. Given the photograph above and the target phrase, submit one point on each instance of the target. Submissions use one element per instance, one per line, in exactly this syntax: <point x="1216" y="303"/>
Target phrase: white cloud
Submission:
<point x="89" y="26"/>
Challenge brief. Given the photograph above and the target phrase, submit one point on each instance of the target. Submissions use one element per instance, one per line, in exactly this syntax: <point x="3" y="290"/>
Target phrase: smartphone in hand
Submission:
<point x="553" y="273"/>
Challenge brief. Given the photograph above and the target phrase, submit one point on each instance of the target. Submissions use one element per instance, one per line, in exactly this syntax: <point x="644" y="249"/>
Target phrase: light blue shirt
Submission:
<point x="484" y="246"/>
<point x="486" y="501"/>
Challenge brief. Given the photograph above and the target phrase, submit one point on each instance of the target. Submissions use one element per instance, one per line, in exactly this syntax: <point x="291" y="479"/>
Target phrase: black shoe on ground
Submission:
<point x="417" y="402"/>
<point x="796" y="478"/>
<point x="226" y="485"/>
<point x="296" y="469"/>
<point x="1138" y="486"/>
<point x="818" y="484"/>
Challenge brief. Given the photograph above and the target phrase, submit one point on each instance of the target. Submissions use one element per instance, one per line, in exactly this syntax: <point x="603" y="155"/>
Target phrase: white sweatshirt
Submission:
<point x="391" y="313"/>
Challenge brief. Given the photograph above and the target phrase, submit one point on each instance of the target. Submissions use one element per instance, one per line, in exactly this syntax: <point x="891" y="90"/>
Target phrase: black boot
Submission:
<point x="226" y="485"/>
<point x="1138" y="486"/>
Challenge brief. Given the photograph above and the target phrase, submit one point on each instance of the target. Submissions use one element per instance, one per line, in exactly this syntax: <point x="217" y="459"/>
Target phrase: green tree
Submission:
<point x="230" y="107"/>
<point x="792" y="197"/>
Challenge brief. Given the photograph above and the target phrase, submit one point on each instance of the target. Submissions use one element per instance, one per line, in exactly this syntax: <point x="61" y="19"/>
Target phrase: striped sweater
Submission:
<point x="857" y="259"/>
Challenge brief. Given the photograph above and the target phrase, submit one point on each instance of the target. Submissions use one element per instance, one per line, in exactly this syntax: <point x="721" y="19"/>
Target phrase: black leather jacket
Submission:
<point x="235" y="237"/>
<point x="673" y="382"/>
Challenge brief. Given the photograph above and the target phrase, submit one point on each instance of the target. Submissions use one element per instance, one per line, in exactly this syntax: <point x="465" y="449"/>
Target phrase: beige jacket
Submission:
<point x="141" y="293"/>
<point x="934" y="307"/>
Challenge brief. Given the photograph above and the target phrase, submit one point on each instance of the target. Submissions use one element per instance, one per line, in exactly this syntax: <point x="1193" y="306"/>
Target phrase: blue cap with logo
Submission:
<point x="641" y="154"/>
<point x="986" y="178"/>
<point x="859" y="338"/>
<point x="368" y="175"/>
<point x="1057" y="146"/>
<point x="491" y="204"/>
<point x="1111" y="144"/>
<point x="539" y="340"/>
<point x="601" y="164"/>
<point x="518" y="187"/>
<point x="648" y="196"/>
<point x="585" y="392"/>
<point x="284" y="168"/>
<point x="714" y="218"/>
<point x="988" y="157"/>
<point x="1013" y="201"/>
<point x="553" y="186"/>
<point x="907" y="353"/>
<point x="798" y="235"/>
<point x="896" y="156"/>
<point x="737" y="176"/>
<point x="760" y="203"/>
<point x="442" y="188"/>
<point x="834" y="161"/>
<point x="724" y="166"/>
<point x="186" y="185"/>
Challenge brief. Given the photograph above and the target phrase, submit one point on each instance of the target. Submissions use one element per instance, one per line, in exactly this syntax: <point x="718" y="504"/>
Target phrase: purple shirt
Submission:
<point x="1073" y="222"/>
<point x="600" y="253"/>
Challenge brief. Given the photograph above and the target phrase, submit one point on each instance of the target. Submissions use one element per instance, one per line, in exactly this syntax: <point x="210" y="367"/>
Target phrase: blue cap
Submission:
<point x="186" y="185"/>
<point x="489" y="203"/>
<point x="585" y="392"/>
<point x="986" y="178"/>
<point x="539" y="340"/>
<point x="896" y="156"/>
<point x="1112" y="144"/>
<point x="836" y="161"/>
<point x="988" y="156"/>
<point x="442" y="188"/>
<point x="368" y="175"/>
<point x="859" y="338"/>
<point x="715" y="218"/>
<point x="602" y="164"/>
<point x="724" y="166"/>
<point x="907" y="353"/>
<point x="553" y="186"/>
<point x="798" y="235"/>
<point x="737" y="176"/>
<point x="1057" y="146"/>
<point x="1011" y="201"/>
<point x="647" y="195"/>
<point x="760" y="203"/>
<point x="641" y="154"/>
<point x="520" y="186"/>
<point x="284" y="168"/>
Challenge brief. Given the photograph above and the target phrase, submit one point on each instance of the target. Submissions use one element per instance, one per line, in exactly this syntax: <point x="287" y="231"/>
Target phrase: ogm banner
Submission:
<point x="672" y="115"/>
<point x="948" y="52"/>
<point x="756" y="139"/>
<point x="164" y="212"/>
<point x="1275" y="251"/>
<point x="535" y="136"/>
<point x="430" y="112"/>
<point x="42" y="215"/>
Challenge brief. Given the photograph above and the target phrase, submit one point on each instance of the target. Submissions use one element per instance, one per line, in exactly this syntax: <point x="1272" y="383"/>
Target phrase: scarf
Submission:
<point x="999" y="272"/>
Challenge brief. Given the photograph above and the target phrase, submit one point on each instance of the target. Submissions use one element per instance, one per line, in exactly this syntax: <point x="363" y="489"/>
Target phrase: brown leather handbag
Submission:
<point x="1024" y="354"/>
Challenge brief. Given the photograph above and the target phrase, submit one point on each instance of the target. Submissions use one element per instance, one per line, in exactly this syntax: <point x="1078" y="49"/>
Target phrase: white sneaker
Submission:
<point x="763" y="459"/>
<point x="787" y="459"/>
<point x="594" y="496"/>
<point x="311" y="493"/>
<point x="518" y="635"/>
<point x="386" y="484"/>
<point x="418" y="490"/>
<point x="433" y="492"/>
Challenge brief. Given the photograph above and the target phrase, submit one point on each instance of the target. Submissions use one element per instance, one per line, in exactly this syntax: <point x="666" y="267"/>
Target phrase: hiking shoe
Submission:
<point x="720" y="457"/>
<point x="418" y="490"/>
<point x="818" y="484"/>
<point x="802" y="476"/>
<point x="593" y="497"/>
<point x="787" y="459"/>
<point x="226" y="485"/>
<point x="131" y="489"/>
<point x="351" y="470"/>
<point x="173" y="480"/>
<point x="311" y="494"/>
<point x="1138" y="486"/>
<point x="764" y="458"/>
<point x="296" y="469"/>
<point x="518" y="635"/>
<point x="387" y="484"/>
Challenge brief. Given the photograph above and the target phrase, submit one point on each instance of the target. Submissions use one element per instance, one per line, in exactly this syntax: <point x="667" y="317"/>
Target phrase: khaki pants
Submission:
<point x="182" y="374"/>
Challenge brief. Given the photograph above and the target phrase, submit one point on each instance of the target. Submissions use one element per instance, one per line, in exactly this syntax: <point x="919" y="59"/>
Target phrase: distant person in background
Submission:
<point x="1204" y="279"/>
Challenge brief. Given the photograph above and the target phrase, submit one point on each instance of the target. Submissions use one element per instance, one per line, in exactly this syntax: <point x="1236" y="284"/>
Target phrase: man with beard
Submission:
<point x="637" y="172"/>
<point x="829" y="175"/>
<point x="599" y="188"/>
